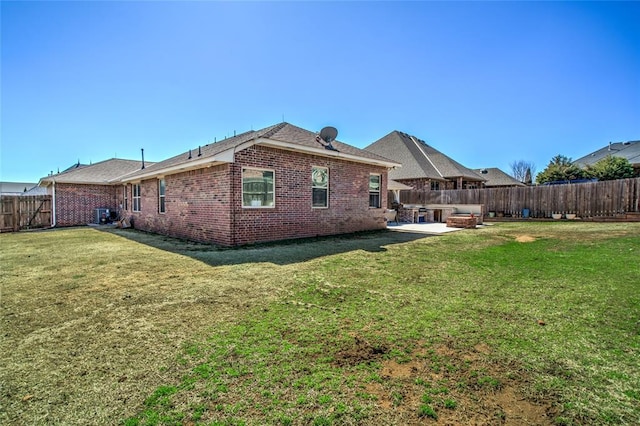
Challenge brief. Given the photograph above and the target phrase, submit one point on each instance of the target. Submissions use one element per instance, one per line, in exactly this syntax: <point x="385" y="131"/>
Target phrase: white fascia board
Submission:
<point x="221" y="158"/>
<point x="324" y="152"/>
<point x="49" y="181"/>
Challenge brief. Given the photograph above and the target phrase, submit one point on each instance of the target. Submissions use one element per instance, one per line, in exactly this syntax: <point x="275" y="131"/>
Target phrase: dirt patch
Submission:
<point x="361" y="351"/>
<point x="461" y="386"/>
<point x="525" y="239"/>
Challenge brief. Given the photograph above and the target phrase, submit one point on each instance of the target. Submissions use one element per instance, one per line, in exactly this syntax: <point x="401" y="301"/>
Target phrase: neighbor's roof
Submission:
<point x="36" y="191"/>
<point x="629" y="150"/>
<point x="282" y="136"/>
<point x="75" y="166"/>
<point x="393" y="185"/>
<point x="15" y="188"/>
<point x="496" y="177"/>
<point x="104" y="172"/>
<point x="418" y="159"/>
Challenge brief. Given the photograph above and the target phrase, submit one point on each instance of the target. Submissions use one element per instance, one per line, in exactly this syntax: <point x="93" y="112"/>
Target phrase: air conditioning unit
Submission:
<point x="102" y="216"/>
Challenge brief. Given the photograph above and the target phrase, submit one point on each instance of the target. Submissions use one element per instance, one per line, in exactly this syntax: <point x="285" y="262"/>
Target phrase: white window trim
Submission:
<point x="319" y="187"/>
<point x="273" y="206"/>
<point x="379" y="191"/>
<point x="133" y="197"/>
<point x="162" y="197"/>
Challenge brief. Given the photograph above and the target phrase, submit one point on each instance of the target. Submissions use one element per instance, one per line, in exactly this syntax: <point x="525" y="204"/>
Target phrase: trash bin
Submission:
<point x="525" y="213"/>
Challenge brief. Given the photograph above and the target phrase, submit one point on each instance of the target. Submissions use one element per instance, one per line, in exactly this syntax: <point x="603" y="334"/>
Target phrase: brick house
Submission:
<point x="423" y="167"/>
<point x="78" y="191"/>
<point x="265" y="185"/>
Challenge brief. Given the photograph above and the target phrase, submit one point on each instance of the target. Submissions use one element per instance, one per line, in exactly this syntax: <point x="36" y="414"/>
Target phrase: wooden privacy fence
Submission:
<point x="24" y="212"/>
<point x="591" y="199"/>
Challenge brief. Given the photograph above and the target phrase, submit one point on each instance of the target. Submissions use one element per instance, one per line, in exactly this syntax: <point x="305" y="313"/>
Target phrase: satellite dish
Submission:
<point x="327" y="135"/>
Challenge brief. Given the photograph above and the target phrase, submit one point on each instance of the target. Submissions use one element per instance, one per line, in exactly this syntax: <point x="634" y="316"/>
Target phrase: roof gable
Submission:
<point x="418" y="159"/>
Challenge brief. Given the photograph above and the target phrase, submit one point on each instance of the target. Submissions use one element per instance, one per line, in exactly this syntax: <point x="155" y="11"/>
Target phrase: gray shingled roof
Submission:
<point x="396" y="186"/>
<point x="104" y="172"/>
<point x="496" y="177"/>
<point x="629" y="150"/>
<point x="35" y="191"/>
<point x="418" y="159"/>
<point x="15" y="188"/>
<point x="282" y="136"/>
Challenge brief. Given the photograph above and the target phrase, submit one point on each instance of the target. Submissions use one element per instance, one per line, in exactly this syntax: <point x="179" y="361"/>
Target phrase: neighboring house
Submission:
<point x="495" y="178"/>
<point x="271" y="184"/>
<point x="15" y="188"/>
<point x="629" y="150"/>
<point x="423" y="167"/>
<point x="80" y="190"/>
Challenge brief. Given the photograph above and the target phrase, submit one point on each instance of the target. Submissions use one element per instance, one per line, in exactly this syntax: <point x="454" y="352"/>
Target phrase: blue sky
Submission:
<point x="486" y="83"/>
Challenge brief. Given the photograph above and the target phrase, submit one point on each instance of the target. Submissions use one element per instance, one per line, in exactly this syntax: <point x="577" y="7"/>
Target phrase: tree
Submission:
<point x="560" y="168"/>
<point x="610" y="168"/>
<point x="520" y="168"/>
<point x="527" y="177"/>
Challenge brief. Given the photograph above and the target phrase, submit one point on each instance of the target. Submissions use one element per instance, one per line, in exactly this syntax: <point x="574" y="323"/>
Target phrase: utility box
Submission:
<point x="102" y="216"/>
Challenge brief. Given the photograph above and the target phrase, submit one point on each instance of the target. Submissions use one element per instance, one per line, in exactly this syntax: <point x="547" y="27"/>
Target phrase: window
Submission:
<point x="374" y="191"/>
<point x="435" y="185"/>
<point x="320" y="187"/>
<point x="161" y="191"/>
<point x="136" y="197"/>
<point x="257" y="188"/>
<point x="126" y="197"/>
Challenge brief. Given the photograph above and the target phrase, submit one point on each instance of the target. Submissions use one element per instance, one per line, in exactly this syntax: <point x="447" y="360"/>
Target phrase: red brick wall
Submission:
<point x="76" y="204"/>
<point x="293" y="216"/>
<point x="206" y="205"/>
<point x="197" y="206"/>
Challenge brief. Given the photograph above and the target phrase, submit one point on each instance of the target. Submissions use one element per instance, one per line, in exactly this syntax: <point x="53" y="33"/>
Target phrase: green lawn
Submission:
<point x="535" y="323"/>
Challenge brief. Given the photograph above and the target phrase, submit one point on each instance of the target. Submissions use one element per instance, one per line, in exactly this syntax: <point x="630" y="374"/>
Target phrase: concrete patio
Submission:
<point x="422" y="227"/>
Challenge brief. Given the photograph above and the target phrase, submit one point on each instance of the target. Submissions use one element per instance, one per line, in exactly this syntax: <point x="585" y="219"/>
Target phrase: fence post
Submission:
<point x="16" y="213"/>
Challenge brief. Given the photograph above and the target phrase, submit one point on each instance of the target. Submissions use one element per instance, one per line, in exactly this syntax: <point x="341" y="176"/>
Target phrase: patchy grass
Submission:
<point x="514" y="323"/>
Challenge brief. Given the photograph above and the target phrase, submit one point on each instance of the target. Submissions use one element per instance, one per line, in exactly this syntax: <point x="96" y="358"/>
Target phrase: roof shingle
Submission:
<point x="629" y="150"/>
<point x="103" y="172"/>
<point x="281" y="135"/>
<point x="496" y="177"/>
<point x="418" y="159"/>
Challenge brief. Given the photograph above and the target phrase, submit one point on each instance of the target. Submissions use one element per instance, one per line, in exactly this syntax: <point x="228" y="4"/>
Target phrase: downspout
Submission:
<point x="233" y="194"/>
<point x="53" y="204"/>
